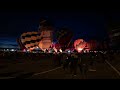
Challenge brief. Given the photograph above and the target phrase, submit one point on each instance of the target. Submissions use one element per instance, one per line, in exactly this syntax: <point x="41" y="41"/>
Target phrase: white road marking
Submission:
<point x="47" y="71"/>
<point x="113" y="67"/>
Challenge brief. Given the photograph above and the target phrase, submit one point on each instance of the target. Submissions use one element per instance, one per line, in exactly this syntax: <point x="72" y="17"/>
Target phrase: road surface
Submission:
<point x="44" y="69"/>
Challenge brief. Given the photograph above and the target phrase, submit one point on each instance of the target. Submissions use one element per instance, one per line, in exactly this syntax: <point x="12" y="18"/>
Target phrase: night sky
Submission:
<point x="85" y="24"/>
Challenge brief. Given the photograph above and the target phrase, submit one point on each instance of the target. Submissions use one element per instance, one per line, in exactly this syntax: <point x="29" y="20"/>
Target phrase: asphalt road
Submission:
<point x="44" y="69"/>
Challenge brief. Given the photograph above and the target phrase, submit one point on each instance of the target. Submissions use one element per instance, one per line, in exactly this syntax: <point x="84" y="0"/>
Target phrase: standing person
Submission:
<point x="66" y="61"/>
<point x="91" y="58"/>
<point x="83" y="64"/>
<point x="73" y="65"/>
<point x="80" y="63"/>
<point x="103" y="56"/>
<point x="92" y="62"/>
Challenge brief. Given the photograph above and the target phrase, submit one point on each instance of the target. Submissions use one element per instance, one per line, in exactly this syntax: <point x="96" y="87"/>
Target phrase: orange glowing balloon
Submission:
<point x="46" y="40"/>
<point x="45" y="44"/>
<point x="30" y="39"/>
<point x="79" y="44"/>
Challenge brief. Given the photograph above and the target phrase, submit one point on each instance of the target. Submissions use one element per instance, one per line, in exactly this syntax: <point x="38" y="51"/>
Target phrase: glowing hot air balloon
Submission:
<point x="56" y="47"/>
<point x="64" y="37"/>
<point x="46" y="40"/>
<point x="45" y="31"/>
<point x="79" y="44"/>
<point x="30" y="40"/>
<point x="45" y="43"/>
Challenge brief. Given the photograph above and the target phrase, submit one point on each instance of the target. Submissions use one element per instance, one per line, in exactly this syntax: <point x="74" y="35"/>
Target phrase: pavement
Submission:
<point x="44" y="69"/>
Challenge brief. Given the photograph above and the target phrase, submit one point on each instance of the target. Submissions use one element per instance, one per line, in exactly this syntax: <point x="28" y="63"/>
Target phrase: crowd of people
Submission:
<point x="75" y="60"/>
<point x="83" y="61"/>
<point x="69" y="61"/>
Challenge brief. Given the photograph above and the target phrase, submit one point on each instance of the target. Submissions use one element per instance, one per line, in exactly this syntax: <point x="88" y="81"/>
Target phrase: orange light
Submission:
<point x="60" y="50"/>
<point x="80" y="49"/>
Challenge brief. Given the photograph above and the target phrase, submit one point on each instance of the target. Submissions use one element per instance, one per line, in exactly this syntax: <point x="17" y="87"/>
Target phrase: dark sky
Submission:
<point x="13" y="24"/>
<point x="85" y="24"/>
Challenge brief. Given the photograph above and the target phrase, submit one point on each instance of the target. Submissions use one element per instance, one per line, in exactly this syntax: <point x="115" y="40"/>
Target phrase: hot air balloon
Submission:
<point x="21" y="46"/>
<point x="30" y="40"/>
<point x="64" y="37"/>
<point x="45" y="44"/>
<point x="56" y="47"/>
<point x="46" y="40"/>
<point x="79" y="44"/>
<point x="92" y="44"/>
<point x="46" y="32"/>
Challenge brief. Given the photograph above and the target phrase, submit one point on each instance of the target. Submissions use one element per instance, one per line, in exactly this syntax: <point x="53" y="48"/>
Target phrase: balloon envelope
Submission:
<point x="79" y="44"/>
<point x="64" y="37"/>
<point x="30" y="39"/>
<point x="46" y="41"/>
